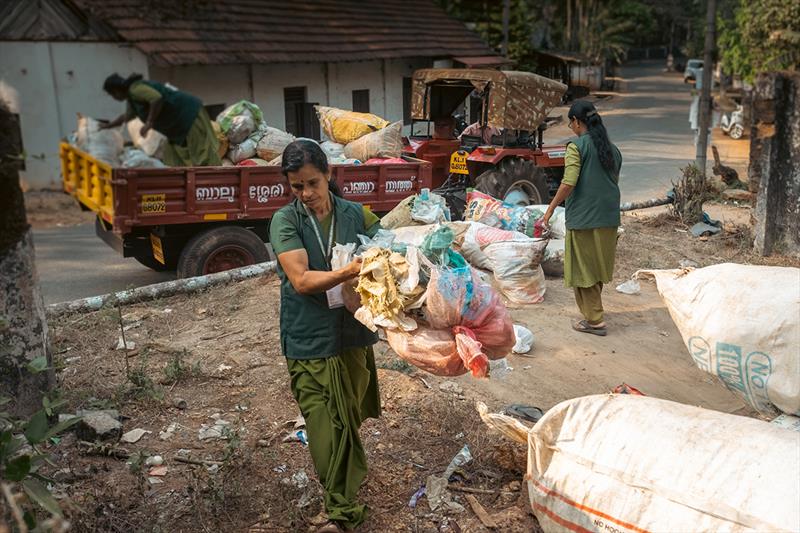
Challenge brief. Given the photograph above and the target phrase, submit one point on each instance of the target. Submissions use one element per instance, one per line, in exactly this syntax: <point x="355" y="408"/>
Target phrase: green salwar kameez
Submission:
<point x="592" y="218"/>
<point x="336" y="394"/>
<point x="201" y="149"/>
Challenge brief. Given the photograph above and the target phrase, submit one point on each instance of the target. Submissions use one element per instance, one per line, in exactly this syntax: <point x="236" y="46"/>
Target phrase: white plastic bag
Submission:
<point x="242" y="151"/>
<point x="430" y="208"/>
<point x="631" y="464"/>
<point x="105" y="145"/>
<point x="742" y="324"/>
<point x="241" y="127"/>
<point x="630" y="287"/>
<point x="558" y="221"/>
<point x="334" y="151"/>
<point x="151" y="144"/>
<point x="135" y="158"/>
<point x="524" y="339"/>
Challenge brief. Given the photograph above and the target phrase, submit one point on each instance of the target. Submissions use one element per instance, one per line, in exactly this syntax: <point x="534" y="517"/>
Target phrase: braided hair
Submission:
<point x="587" y="113"/>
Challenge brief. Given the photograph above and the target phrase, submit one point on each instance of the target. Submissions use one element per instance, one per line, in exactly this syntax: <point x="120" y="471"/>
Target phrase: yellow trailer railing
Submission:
<point x="88" y="180"/>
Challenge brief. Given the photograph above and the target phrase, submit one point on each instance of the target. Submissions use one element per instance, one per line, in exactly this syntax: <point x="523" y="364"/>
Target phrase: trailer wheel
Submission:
<point x="517" y="181"/>
<point x="220" y="249"/>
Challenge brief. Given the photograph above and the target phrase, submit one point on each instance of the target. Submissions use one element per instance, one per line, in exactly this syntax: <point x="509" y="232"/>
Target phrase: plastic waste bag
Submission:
<point x="344" y="127"/>
<point x="103" y="144"/>
<point x="273" y="143"/>
<point x="490" y="211"/>
<point x="620" y="462"/>
<point x="334" y="151"/>
<point x="386" y="142"/>
<point x="630" y="287"/>
<point x="558" y="221"/>
<point x="524" y="339"/>
<point x="135" y="158"/>
<point x="244" y="150"/>
<point x="241" y="127"/>
<point x="430" y="208"/>
<point x="151" y="144"/>
<point x="740" y="323"/>
<point x="242" y="108"/>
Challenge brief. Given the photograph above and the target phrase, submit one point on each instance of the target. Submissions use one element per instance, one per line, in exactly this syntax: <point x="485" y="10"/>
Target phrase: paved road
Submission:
<point x="648" y="121"/>
<point x="73" y="262"/>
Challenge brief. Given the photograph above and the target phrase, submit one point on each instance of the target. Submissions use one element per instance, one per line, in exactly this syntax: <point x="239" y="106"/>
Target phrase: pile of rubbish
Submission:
<point x="109" y="145"/>
<point x="353" y="137"/>
<point x="436" y="311"/>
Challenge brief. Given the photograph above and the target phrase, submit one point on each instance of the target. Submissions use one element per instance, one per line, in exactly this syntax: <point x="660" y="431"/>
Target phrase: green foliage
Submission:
<point x="20" y="459"/>
<point x="763" y="35"/>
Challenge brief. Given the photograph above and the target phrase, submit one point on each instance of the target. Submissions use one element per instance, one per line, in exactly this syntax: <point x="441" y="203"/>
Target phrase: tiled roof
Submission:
<point x="192" y="32"/>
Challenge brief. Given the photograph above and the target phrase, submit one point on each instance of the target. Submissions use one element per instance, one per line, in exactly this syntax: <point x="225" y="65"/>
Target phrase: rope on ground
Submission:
<point x="159" y="290"/>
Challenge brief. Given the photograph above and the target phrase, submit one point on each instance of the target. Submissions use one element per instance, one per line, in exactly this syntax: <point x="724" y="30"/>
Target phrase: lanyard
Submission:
<point x="315" y="223"/>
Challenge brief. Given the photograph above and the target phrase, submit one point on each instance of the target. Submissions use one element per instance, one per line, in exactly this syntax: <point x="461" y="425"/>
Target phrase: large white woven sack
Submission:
<point x="742" y="324"/>
<point x="634" y="464"/>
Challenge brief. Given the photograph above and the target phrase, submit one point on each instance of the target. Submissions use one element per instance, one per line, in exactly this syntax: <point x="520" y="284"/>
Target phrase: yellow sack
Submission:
<point x="221" y="138"/>
<point x="345" y="126"/>
<point x="387" y="142"/>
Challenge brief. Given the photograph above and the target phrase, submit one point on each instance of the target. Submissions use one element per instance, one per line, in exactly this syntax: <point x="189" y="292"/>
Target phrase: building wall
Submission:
<point x="220" y="84"/>
<point x="49" y="83"/>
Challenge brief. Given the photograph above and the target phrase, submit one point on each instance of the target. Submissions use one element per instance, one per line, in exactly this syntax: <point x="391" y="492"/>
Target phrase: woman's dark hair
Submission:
<point x="586" y="113"/>
<point x="303" y="152"/>
<point x="117" y="83"/>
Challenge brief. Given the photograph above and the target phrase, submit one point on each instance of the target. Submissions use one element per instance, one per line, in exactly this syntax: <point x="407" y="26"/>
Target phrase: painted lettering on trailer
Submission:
<point x="262" y="193"/>
<point x="359" y="187"/>
<point x="225" y="193"/>
<point x="399" y="186"/>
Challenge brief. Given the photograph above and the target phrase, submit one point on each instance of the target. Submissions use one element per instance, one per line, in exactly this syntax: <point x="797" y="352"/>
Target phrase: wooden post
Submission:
<point x="705" y="98"/>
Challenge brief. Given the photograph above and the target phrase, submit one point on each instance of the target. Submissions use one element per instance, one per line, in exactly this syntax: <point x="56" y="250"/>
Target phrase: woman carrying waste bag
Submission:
<point x="590" y="188"/>
<point x="177" y="115"/>
<point x="328" y="353"/>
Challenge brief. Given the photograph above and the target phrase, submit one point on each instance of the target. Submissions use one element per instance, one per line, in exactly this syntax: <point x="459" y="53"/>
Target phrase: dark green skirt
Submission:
<point x="589" y="256"/>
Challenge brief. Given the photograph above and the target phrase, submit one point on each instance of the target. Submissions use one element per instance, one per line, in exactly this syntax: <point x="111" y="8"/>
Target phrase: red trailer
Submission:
<point x="199" y="220"/>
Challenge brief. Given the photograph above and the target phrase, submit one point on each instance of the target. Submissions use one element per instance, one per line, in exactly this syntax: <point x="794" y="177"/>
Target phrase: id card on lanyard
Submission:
<point x="333" y="295"/>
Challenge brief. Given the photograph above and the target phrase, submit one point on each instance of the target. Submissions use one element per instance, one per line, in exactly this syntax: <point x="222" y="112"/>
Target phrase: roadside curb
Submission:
<point x="159" y="290"/>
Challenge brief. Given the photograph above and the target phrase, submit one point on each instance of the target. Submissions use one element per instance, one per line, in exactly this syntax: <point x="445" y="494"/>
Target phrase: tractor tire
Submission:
<point x="519" y="176"/>
<point x="220" y="249"/>
<point x="736" y="132"/>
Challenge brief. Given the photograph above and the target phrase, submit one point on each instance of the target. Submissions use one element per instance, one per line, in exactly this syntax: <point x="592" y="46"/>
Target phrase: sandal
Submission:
<point x="584" y="327"/>
<point x="330" y="527"/>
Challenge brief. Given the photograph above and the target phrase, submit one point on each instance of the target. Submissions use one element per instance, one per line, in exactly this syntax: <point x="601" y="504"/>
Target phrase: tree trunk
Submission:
<point x="506" y="21"/>
<point x="23" y="326"/>
<point x="568" y="36"/>
<point x="705" y="98"/>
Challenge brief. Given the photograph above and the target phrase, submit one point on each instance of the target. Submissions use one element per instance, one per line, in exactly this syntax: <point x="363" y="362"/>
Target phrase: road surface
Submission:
<point x="648" y="120"/>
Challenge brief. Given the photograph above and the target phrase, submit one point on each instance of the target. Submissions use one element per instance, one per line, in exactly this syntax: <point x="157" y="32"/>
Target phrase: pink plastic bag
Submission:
<point x="432" y="350"/>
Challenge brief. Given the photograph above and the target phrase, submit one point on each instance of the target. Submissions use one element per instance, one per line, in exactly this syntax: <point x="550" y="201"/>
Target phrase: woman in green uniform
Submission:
<point x="328" y="353"/>
<point x="179" y="116"/>
<point x="590" y="188"/>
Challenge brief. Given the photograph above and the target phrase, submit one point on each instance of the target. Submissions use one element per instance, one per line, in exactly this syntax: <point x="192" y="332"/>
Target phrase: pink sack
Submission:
<point x="432" y="350"/>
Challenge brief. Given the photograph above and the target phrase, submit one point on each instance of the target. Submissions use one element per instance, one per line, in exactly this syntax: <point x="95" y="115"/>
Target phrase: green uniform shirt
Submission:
<point x="178" y="112"/>
<point x="309" y="328"/>
<point x="594" y="203"/>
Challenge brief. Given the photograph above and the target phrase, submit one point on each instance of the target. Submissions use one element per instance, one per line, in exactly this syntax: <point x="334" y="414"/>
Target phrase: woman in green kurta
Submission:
<point x="328" y="353"/>
<point x="179" y="116"/>
<point x="590" y="188"/>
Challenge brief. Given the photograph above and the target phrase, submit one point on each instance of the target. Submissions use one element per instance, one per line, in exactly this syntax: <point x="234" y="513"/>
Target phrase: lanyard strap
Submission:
<point x="314" y="224"/>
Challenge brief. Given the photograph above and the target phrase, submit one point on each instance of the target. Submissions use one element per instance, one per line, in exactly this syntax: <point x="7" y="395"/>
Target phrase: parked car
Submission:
<point x="694" y="70"/>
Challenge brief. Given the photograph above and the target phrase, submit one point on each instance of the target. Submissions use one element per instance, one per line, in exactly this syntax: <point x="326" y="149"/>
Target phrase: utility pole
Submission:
<point x="705" y="94"/>
<point x="506" y="22"/>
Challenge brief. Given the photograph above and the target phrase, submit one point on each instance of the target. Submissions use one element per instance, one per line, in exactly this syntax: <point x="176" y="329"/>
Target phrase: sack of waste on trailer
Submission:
<point x="742" y="324"/>
<point x="235" y="128"/>
<point x="273" y="143"/>
<point x="244" y="150"/>
<point x="344" y="127"/>
<point x="151" y="144"/>
<point x="386" y="142"/>
<point x="490" y="211"/>
<point x="656" y="465"/>
<point x="103" y="144"/>
<point x="512" y="257"/>
<point x="334" y="151"/>
<point x="253" y="162"/>
<point x="135" y="158"/>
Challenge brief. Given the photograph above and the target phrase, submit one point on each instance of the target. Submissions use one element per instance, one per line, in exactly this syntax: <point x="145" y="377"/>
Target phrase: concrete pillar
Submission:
<point x="775" y="162"/>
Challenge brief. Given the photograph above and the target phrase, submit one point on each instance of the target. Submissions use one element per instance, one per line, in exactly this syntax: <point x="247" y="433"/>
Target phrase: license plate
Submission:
<point x="158" y="251"/>
<point x="458" y="163"/>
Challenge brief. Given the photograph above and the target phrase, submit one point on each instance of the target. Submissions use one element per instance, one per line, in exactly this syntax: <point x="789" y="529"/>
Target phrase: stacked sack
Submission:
<point x="359" y="136"/>
<point x="435" y="310"/>
<point x="249" y="140"/>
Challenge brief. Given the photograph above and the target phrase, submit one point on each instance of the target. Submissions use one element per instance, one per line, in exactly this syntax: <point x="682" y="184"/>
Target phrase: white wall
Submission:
<point x="219" y="84"/>
<point x="51" y="83"/>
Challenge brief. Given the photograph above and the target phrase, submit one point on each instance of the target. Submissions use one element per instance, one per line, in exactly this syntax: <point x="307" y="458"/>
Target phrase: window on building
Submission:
<point x="293" y="100"/>
<point x="406" y="100"/>
<point x="361" y="101"/>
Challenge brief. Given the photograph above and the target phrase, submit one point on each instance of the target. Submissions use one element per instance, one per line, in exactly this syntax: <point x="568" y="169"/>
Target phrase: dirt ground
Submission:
<point x="219" y="351"/>
<point x="48" y="208"/>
